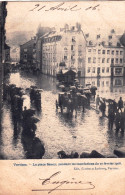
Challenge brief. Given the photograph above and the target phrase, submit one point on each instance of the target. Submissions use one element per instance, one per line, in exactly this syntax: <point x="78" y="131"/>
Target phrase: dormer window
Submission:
<point x="103" y="43"/>
<point x="110" y="36"/>
<point x="90" y="42"/>
<point x="112" y="31"/>
<point x="87" y="35"/>
<point x="73" y="39"/>
<point x="110" y="43"/>
<point x="118" y="44"/>
<point x="98" y="37"/>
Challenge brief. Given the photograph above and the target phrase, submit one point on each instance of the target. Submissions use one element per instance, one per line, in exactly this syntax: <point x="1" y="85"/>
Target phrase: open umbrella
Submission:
<point x="87" y="92"/>
<point x="40" y="90"/>
<point x="83" y="96"/>
<point x="33" y="86"/>
<point x="34" y="119"/>
<point x="72" y="87"/>
<point x="88" y="84"/>
<point x="78" y="94"/>
<point x="86" y="88"/>
<point x="61" y="86"/>
<point x="27" y="89"/>
<point x="12" y="85"/>
<point x="76" y="80"/>
<point x="94" y="87"/>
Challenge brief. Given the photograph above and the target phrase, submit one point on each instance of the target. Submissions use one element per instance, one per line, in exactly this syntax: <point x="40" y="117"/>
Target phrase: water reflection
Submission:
<point x="107" y="87"/>
<point x="57" y="130"/>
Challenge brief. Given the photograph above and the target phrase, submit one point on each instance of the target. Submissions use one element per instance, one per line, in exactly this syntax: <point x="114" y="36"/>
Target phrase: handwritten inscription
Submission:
<point x="54" y="183"/>
<point x="61" y="7"/>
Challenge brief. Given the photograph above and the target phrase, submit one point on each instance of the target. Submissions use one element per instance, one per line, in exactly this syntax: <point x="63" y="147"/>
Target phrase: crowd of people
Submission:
<point x="35" y="97"/>
<point x="23" y="117"/>
<point x="75" y="96"/>
<point x="116" y="112"/>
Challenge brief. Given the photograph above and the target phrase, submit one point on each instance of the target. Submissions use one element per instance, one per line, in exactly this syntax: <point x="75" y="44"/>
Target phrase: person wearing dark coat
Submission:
<point x="120" y="103"/>
<point x="111" y="118"/>
<point x="118" y="121"/>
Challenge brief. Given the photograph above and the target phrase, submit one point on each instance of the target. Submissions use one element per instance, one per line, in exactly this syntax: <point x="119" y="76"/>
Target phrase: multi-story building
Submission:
<point x="40" y="32"/>
<point x="28" y="54"/>
<point x="90" y="57"/>
<point x="104" y="56"/>
<point x="15" y="54"/>
<point x="63" y="49"/>
<point x="6" y="58"/>
<point x="3" y="14"/>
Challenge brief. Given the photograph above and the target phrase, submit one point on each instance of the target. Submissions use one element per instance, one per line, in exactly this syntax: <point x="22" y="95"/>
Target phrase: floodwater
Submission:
<point x="87" y="132"/>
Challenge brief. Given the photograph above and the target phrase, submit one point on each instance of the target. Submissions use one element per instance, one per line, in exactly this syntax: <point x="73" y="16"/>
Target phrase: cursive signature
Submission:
<point x="61" y="7"/>
<point x="57" y="183"/>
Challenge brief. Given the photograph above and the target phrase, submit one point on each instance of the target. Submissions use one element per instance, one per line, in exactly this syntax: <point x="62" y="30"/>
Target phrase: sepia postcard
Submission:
<point x="62" y="97"/>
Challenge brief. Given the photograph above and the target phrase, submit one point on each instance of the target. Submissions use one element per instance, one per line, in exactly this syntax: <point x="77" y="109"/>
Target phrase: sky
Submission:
<point x="106" y="16"/>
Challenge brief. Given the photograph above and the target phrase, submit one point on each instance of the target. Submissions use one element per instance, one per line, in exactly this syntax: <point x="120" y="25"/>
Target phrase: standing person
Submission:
<point x="97" y="101"/>
<point x="122" y="120"/>
<point x="103" y="107"/>
<point x="120" y="103"/>
<point x="118" y="121"/>
<point x="111" y="117"/>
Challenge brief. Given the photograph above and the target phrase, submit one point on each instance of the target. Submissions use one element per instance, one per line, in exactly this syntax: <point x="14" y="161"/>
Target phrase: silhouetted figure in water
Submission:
<point x="120" y="103"/>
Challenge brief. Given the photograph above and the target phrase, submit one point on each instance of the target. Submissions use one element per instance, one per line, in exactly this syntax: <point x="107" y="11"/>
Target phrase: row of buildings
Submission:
<point x="3" y="14"/>
<point x="90" y="56"/>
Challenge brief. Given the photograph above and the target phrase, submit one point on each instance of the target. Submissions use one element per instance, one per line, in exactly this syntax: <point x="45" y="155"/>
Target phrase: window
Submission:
<point x="103" y="43"/>
<point x="73" y="39"/>
<point x="118" y="44"/>
<point x="108" y="60"/>
<point x="117" y="52"/>
<point x="107" y="83"/>
<point x="110" y="36"/>
<point x="98" y="36"/>
<point x="99" y="59"/>
<point x="89" y="60"/>
<point x="72" y="57"/>
<point x="103" y="70"/>
<point x="80" y="48"/>
<point x="112" y="61"/>
<point x="89" y="50"/>
<point x="94" y="60"/>
<point x="108" y="51"/>
<point x="103" y="60"/>
<point x="116" y="60"/>
<point x="121" y="61"/>
<point x="118" y="71"/>
<point x="25" y="50"/>
<point x="94" y="50"/>
<point x="103" y="51"/>
<point x="89" y="69"/>
<point x="93" y="70"/>
<point x="102" y="83"/>
<point x="72" y="47"/>
<point x="25" y="56"/>
<point x="99" y="51"/>
<point x="107" y="69"/>
<point x="90" y="42"/>
<point x="118" y="82"/>
<point x="121" y="52"/>
<point x="110" y="43"/>
<point x="65" y="57"/>
<point x="113" y="52"/>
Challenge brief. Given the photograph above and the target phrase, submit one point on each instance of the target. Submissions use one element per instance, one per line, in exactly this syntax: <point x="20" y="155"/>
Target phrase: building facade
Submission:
<point x="63" y="49"/>
<point x="28" y="54"/>
<point x="104" y="56"/>
<point x="6" y="59"/>
<point x="15" y="54"/>
<point x="3" y="14"/>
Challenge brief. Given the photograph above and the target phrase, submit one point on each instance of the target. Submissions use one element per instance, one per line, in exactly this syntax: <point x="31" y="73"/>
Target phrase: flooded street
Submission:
<point x="58" y="132"/>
